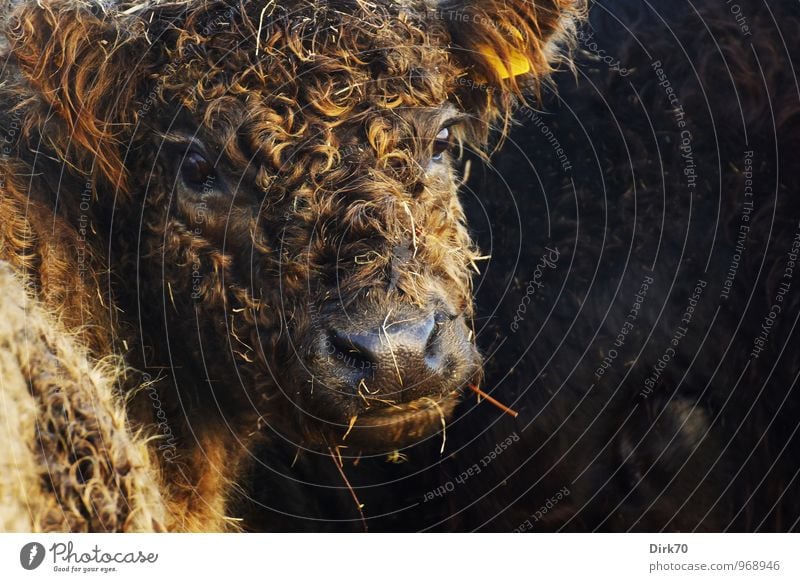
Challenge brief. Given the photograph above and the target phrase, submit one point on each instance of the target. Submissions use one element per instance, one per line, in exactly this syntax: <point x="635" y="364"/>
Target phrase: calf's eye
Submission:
<point x="441" y="144"/>
<point x="196" y="171"/>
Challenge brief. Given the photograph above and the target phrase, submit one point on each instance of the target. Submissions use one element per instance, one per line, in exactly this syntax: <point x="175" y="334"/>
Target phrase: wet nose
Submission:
<point x="399" y="359"/>
<point x="400" y="346"/>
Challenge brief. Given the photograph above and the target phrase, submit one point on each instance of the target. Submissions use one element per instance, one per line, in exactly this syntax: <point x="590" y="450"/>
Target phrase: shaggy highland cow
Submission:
<point x="640" y="307"/>
<point x="248" y="211"/>
<point x="656" y="369"/>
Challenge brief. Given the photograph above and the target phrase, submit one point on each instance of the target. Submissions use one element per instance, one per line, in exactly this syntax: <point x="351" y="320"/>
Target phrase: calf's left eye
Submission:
<point x="441" y="144"/>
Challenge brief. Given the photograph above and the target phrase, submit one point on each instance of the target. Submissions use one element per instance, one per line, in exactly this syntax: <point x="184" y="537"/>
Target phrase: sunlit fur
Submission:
<point x="70" y="460"/>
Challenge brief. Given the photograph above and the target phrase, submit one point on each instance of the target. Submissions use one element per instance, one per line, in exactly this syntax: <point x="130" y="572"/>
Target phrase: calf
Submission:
<point x="252" y="205"/>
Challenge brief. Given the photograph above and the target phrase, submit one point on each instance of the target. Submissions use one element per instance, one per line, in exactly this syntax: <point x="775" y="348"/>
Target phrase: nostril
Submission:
<point x="344" y="349"/>
<point x="433" y="348"/>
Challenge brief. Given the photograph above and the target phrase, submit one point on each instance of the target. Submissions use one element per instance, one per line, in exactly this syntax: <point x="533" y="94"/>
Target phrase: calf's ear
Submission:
<point x="83" y="62"/>
<point x="507" y="45"/>
<point x="503" y="39"/>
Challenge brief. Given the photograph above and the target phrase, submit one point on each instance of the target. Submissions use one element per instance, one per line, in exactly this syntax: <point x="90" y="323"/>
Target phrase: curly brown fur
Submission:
<point x="318" y="121"/>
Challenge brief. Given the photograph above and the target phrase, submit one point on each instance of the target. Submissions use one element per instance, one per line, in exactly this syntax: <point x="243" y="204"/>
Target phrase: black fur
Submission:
<point x="711" y="443"/>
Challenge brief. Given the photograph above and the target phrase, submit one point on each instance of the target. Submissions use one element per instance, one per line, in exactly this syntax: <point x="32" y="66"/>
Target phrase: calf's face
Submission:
<point x="285" y="171"/>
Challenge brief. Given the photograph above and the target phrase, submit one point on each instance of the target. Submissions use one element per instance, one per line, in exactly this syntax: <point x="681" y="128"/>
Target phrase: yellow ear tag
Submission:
<point x="518" y="63"/>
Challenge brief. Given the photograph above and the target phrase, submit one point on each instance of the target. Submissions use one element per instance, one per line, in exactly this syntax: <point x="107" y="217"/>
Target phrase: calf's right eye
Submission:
<point x="197" y="172"/>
